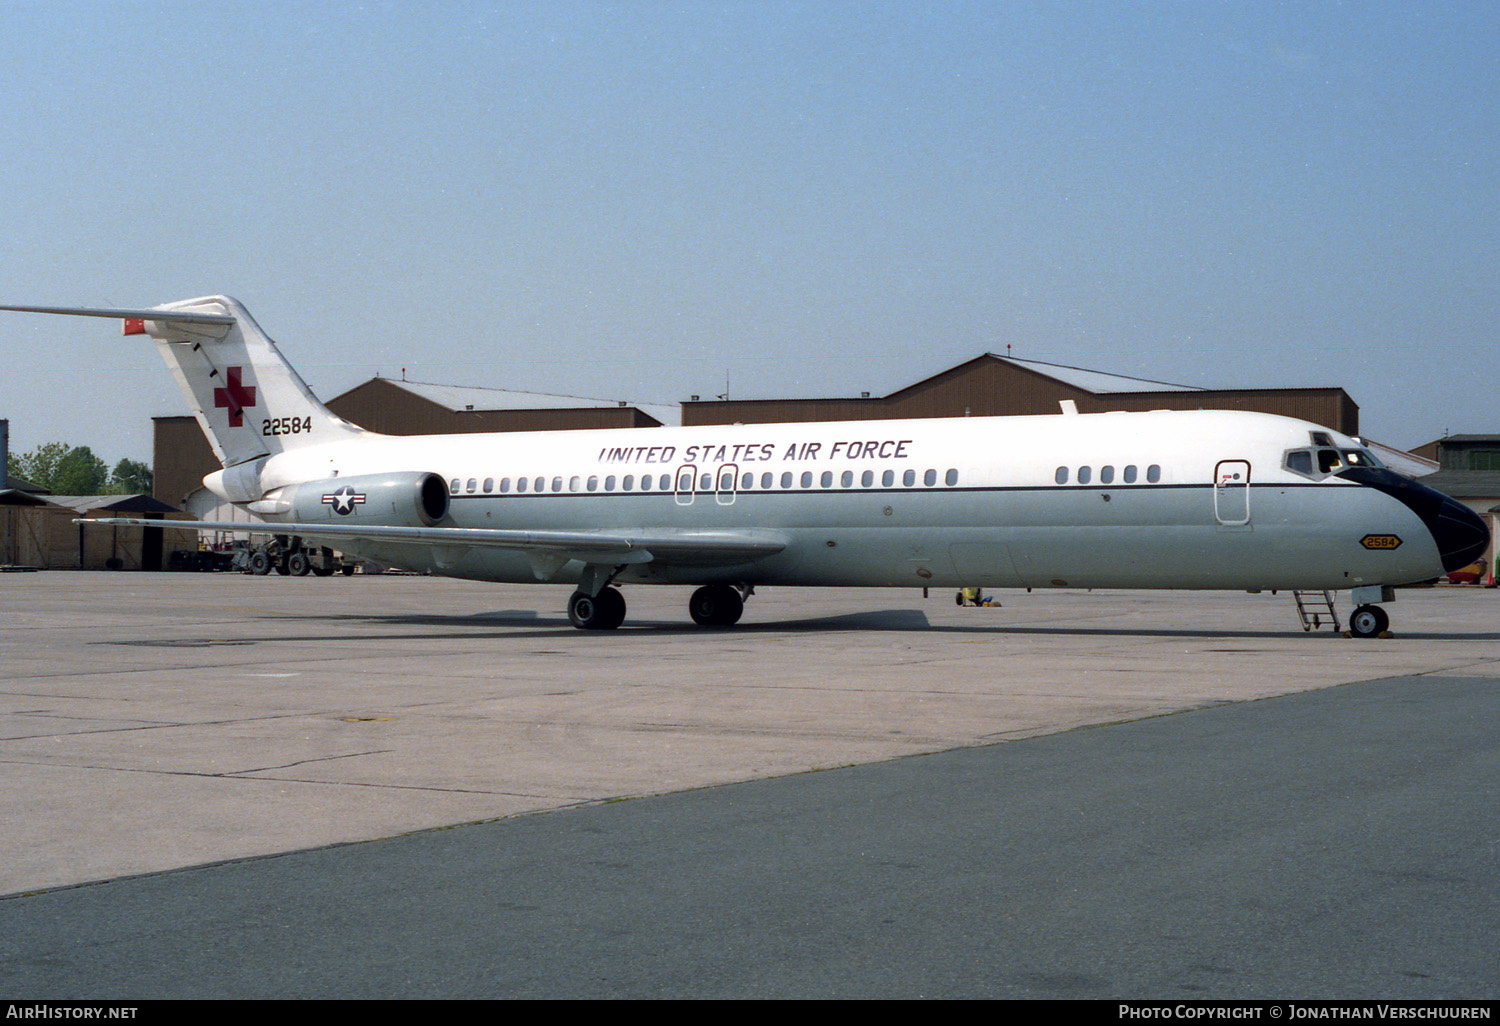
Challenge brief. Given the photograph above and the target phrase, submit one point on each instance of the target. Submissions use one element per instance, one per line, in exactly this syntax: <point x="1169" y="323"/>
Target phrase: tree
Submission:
<point x="64" y="470"/>
<point x="131" y="477"/>
<point x="80" y="472"/>
<point x="39" y="466"/>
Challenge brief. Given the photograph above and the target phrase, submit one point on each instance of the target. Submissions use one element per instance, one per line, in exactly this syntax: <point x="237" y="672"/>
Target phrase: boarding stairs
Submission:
<point x="1316" y="609"/>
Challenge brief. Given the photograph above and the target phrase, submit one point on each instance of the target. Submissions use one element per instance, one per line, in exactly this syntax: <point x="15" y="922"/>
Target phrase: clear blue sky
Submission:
<point x="639" y="199"/>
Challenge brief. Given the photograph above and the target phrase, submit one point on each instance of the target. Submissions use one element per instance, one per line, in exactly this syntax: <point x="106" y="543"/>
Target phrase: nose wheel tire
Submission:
<point x="1368" y="622"/>
<point x="602" y="612"/>
<point x="716" y="605"/>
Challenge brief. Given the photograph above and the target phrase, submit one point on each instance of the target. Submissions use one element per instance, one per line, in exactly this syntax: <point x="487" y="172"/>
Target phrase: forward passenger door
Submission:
<point x="1232" y="492"/>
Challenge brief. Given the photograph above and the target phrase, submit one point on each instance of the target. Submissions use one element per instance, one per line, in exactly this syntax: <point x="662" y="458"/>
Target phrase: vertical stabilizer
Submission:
<point x="249" y="400"/>
<point x="245" y="395"/>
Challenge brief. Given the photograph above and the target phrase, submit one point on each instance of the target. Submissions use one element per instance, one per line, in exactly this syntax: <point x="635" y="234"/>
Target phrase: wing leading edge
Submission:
<point x="681" y="548"/>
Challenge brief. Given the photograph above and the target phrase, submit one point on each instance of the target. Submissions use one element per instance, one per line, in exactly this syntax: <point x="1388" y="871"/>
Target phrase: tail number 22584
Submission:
<point x="285" y="425"/>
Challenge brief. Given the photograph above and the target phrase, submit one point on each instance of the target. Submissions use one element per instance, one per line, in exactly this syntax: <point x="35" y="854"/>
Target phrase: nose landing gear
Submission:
<point x="1369" y="622"/>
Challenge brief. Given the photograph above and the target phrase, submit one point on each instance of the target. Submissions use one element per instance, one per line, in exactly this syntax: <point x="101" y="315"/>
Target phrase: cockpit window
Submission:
<point x="1361" y="458"/>
<point x="1322" y="461"/>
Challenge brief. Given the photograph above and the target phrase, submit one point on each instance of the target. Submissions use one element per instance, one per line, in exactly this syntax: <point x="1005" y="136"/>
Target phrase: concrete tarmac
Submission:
<point x="152" y="722"/>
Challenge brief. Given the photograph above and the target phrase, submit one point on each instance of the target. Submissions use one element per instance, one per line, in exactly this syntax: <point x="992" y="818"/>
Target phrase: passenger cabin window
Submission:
<point x="1129" y="475"/>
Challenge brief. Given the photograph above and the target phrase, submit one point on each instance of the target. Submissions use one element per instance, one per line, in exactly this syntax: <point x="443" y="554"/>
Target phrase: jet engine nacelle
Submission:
<point x="406" y="499"/>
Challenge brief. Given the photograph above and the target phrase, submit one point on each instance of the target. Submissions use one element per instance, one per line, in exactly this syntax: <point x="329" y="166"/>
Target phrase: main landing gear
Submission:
<point x="715" y="605"/>
<point x="602" y="612"/>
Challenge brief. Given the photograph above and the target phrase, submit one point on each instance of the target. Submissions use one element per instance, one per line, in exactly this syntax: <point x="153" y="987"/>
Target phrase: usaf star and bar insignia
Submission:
<point x="344" y="500"/>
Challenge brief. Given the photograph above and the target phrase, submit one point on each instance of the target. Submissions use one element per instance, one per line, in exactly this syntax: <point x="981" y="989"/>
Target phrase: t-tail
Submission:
<point x="249" y="400"/>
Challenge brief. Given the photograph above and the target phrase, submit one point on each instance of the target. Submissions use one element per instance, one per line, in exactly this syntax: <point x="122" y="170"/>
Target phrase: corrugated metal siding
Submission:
<point x="380" y="406"/>
<point x="985" y="387"/>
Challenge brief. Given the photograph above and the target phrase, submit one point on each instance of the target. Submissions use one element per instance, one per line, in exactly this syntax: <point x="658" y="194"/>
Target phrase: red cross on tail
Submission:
<point x="235" y="395"/>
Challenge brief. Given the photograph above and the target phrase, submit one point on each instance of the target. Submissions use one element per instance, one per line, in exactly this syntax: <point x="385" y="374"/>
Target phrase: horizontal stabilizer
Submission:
<point x="179" y="316"/>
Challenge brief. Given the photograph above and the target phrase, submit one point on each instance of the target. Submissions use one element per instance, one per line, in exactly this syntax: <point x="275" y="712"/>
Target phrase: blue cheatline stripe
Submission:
<point x="915" y="490"/>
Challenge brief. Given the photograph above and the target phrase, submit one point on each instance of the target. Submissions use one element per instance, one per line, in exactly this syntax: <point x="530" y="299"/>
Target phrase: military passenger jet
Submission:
<point x="1205" y="499"/>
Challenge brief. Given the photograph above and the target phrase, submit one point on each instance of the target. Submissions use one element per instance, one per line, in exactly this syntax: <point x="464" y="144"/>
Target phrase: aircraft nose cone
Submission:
<point x="1460" y="533"/>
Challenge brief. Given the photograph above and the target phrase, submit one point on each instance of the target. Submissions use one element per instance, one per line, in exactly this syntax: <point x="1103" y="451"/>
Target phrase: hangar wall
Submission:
<point x="995" y="386"/>
<point x="386" y="406"/>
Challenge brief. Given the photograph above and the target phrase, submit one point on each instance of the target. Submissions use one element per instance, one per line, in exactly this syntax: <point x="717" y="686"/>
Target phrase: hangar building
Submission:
<point x="995" y="386"/>
<point x="37" y="530"/>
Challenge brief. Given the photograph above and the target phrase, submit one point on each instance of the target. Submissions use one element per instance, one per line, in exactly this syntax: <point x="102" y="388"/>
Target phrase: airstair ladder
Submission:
<point x="1316" y="608"/>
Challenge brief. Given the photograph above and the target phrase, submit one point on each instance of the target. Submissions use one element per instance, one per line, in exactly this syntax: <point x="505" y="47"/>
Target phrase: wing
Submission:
<point x="547" y="548"/>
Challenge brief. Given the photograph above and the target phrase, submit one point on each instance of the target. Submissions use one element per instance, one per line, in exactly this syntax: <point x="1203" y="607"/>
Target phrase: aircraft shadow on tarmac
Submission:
<point x="873" y="621"/>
